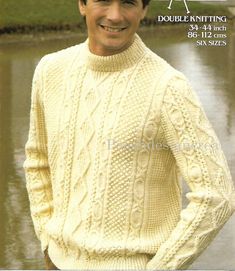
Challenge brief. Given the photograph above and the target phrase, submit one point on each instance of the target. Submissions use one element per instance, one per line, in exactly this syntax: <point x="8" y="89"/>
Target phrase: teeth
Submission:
<point x="111" y="29"/>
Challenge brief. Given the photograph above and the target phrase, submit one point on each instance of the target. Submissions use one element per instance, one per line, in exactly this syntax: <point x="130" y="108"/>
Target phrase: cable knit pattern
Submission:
<point x="109" y="139"/>
<point x="202" y="164"/>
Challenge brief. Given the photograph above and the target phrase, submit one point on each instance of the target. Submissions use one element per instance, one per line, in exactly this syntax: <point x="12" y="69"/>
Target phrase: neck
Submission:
<point x="107" y="51"/>
<point x="115" y="62"/>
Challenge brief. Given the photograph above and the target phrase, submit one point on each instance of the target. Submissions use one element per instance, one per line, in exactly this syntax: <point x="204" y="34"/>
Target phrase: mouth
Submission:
<point x="113" y="29"/>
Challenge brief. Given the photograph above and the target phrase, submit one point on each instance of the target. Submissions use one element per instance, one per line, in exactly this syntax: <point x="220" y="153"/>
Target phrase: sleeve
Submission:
<point x="203" y="166"/>
<point x="37" y="171"/>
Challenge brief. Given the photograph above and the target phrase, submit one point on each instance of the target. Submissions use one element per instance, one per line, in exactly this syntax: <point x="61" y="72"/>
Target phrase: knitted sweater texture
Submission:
<point x="110" y="138"/>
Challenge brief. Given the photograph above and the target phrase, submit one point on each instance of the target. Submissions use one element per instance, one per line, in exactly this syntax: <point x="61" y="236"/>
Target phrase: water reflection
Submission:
<point x="211" y="72"/>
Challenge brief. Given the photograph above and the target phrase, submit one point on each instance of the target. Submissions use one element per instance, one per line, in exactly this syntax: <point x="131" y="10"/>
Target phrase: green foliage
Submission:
<point x="57" y="12"/>
<point x="24" y="12"/>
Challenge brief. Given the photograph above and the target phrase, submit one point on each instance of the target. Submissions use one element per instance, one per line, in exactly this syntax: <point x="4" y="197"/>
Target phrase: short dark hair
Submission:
<point x="145" y="2"/>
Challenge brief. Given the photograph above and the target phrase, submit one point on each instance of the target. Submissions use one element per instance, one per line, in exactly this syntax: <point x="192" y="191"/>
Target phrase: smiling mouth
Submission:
<point x="113" y="29"/>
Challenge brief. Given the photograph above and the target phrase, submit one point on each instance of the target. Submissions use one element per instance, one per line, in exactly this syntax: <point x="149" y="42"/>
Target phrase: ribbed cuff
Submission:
<point x="44" y="241"/>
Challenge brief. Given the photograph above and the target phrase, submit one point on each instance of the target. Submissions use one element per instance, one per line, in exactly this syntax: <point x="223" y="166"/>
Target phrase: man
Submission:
<point x="113" y="126"/>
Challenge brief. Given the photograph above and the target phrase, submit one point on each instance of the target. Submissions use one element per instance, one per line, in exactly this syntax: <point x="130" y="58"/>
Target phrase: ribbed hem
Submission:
<point x="62" y="261"/>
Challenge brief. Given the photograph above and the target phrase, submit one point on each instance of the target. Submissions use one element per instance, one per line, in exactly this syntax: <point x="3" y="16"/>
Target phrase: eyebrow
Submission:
<point x="134" y="1"/>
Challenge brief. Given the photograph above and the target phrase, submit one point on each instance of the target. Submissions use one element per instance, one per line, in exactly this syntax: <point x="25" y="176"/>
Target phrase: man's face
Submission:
<point x="111" y="24"/>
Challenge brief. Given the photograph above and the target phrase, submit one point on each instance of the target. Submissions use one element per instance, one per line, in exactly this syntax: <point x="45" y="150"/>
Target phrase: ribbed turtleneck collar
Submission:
<point x="118" y="61"/>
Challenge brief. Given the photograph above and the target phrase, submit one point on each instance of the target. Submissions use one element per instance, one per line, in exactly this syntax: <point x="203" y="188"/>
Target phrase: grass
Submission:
<point x="15" y="13"/>
<point x="42" y="12"/>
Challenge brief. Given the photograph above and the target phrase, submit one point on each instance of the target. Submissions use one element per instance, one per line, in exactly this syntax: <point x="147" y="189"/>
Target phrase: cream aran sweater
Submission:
<point x="110" y="138"/>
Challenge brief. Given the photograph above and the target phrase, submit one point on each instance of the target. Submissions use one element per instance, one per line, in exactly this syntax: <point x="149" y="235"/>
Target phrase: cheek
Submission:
<point x="92" y="17"/>
<point x="91" y="23"/>
<point x="135" y="18"/>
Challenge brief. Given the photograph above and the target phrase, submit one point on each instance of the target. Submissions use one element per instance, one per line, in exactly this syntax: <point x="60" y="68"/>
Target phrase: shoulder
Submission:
<point x="59" y="60"/>
<point x="157" y="64"/>
<point x="168" y="76"/>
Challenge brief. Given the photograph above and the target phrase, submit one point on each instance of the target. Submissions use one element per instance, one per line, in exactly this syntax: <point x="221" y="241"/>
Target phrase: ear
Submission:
<point x="82" y="7"/>
<point x="144" y="12"/>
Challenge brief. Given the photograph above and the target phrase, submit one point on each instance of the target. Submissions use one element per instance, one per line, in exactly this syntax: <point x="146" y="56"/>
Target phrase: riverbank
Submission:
<point x="26" y="17"/>
<point x="163" y="31"/>
<point x="12" y="39"/>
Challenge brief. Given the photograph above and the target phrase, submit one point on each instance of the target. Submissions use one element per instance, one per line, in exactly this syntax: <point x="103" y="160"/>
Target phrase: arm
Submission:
<point x="203" y="166"/>
<point x="36" y="166"/>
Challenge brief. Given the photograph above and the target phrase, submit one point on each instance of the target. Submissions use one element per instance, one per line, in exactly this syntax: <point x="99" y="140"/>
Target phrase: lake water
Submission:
<point x="211" y="71"/>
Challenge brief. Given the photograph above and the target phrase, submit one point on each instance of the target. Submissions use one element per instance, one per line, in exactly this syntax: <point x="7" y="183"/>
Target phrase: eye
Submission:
<point x="102" y="1"/>
<point x="129" y="2"/>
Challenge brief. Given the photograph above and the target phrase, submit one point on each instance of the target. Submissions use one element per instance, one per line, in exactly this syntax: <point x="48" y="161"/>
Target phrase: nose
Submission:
<point x="114" y="13"/>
